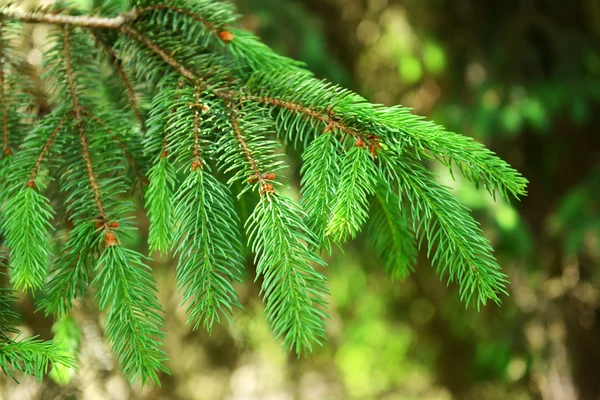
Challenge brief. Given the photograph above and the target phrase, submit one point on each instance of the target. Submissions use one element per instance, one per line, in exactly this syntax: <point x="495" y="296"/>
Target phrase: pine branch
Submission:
<point x="219" y="98"/>
<point x="159" y="199"/>
<point x="117" y="64"/>
<point x="29" y="354"/>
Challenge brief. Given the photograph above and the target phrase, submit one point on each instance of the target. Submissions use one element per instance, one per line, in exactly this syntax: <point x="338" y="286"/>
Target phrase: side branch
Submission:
<point x="119" y="142"/>
<point x="197" y="162"/>
<point x="118" y="65"/>
<point x="88" y="21"/>
<point x="135" y="13"/>
<point x="328" y="119"/>
<point x="77" y="110"/>
<point x="177" y="66"/>
<point x="265" y="187"/>
<point x="45" y="149"/>
<point x="5" y="138"/>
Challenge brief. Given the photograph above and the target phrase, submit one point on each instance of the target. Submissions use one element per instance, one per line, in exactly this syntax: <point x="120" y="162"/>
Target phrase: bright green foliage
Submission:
<point x="294" y="291"/>
<point x="209" y="248"/>
<point x="357" y="179"/>
<point x="453" y="236"/>
<point x="29" y="355"/>
<point x="32" y="356"/>
<point x="320" y="173"/>
<point x="27" y="221"/>
<point x="125" y="288"/>
<point x="159" y="198"/>
<point x="70" y="274"/>
<point x="390" y="233"/>
<point x="223" y="109"/>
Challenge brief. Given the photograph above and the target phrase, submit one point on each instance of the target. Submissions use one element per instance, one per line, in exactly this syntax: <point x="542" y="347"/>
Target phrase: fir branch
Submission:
<point x="71" y="271"/>
<point x="257" y="173"/>
<point x="158" y="200"/>
<point x="79" y="122"/>
<point x="27" y="221"/>
<point x="44" y="152"/>
<point x="172" y="62"/>
<point x="128" y="154"/>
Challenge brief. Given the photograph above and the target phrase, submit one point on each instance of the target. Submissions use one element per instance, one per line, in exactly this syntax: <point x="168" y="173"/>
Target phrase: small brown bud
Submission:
<point x="30" y="184"/>
<point x="110" y="239"/>
<point x="165" y="154"/>
<point x="359" y="143"/>
<point x="196" y="164"/>
<point x="270" y="176"/>
<point x="226" y="36"/>
<point x="99" y="222"/>
<point x="267" y="188"/>
<point x="114" y="225"/>
<point x="205" y="108"/>
<point x="7" y="151"/>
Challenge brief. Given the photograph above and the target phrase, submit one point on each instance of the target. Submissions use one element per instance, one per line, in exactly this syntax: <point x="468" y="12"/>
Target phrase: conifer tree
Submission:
<point x="223" y="108"/>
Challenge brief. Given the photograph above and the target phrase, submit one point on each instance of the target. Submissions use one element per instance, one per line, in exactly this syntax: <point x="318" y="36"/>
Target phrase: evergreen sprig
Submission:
<point x="224" y="107"/>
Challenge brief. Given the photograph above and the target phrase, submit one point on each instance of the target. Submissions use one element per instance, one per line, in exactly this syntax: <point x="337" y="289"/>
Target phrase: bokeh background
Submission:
<point x="522" y="76"/>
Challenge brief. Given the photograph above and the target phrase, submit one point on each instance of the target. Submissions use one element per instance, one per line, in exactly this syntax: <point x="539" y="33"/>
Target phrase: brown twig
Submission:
<point x="78" y="117"/>
<point x="265" y="186"/>
<point x="118" y="65"/>
<point x="182" y="70"/>
<point x="5" y="139"/>
<point x="197" y="161"/>
<point x="40" y="159"/>
<point x="136" y="170"/>
<point x="328" y="119"/>
<point x="88" y="21"/>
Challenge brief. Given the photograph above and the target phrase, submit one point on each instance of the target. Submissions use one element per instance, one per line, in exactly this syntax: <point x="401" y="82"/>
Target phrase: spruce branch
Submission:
<point x="357" y="182"/>
<point x="294" y="291"/>
<point x="209" y="248"/>
<point x="320" y="174"/>
<point x="117" y="64"/>
<point x="29" y="355"/>
<point x="390" y="232"/>
<point x="462" y="252"/>
<point x="126" y="291"/>
<point x="224" y="107"/>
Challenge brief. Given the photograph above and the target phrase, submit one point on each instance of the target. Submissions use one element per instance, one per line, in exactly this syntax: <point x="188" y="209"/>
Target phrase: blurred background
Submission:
<point x="522" y="76"/>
